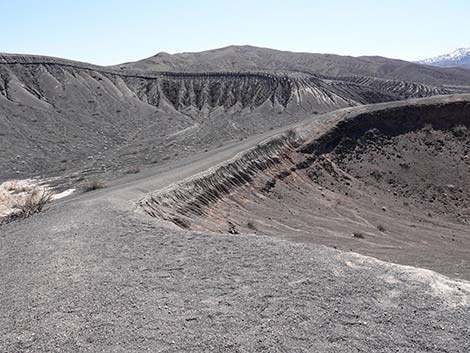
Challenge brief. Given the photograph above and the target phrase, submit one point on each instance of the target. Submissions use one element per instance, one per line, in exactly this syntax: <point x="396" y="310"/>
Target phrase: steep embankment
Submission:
<point x="192" y="197"/>
<point x="390" y="181"/>
<point x="419" y="155"/>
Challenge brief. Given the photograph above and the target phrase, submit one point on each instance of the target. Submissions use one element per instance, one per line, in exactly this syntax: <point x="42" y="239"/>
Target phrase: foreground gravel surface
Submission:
<point x="96" y="276"/>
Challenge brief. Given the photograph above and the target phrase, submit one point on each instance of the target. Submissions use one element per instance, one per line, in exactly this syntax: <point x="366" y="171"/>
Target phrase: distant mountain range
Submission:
<point x="248" y="58"/>
<point x="458" y="58"/>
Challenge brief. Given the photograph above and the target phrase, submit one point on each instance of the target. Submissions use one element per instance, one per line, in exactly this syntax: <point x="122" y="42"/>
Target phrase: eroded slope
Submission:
<point x="60" y="117"/>
<point x="392" y="182"/>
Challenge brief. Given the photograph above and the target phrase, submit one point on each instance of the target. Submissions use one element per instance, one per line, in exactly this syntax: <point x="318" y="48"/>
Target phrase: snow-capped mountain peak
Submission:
<point x="458" y="58"/>
<point x="455" y="55"/>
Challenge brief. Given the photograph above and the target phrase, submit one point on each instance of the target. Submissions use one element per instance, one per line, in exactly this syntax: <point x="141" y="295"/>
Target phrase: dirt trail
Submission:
<point x="93" y="273"/>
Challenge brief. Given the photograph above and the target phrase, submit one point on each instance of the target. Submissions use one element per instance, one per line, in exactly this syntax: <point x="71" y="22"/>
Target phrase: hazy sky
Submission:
<point x="111" y="32"/>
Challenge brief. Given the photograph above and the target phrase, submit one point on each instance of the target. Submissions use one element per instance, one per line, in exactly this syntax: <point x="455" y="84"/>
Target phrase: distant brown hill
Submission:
<point x="249" y="58"/>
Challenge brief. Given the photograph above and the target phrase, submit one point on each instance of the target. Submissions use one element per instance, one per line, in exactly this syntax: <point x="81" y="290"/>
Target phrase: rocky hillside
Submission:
<point x="60" y="116"/>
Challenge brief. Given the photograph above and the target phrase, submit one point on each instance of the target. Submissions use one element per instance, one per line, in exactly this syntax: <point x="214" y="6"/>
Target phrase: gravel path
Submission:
<point x="108" y="280"/>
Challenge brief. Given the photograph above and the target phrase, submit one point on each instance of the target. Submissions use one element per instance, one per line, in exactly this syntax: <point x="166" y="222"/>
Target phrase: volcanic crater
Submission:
<point x="255" y="182"/>
<point x="393" y="182"/>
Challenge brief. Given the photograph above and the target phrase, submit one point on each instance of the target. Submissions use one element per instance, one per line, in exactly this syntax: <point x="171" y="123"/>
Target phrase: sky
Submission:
<point x="110" y="32"/>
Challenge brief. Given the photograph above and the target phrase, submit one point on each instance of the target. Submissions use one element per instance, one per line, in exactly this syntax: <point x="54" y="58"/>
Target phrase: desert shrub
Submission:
<point x="377" y="175"/>
<point x="381" y="227"/>
<point x="427" y="129"/>
<point x="133" y="170"/>
<point x="251" y="225"/>
<point x="358" y="235"/>
<point x="34" y="203"/>
<point x="232" y="229"/>
<point x="459" y="131"/>
<point x="92" y="185"/>
<point x="405" y="165"/>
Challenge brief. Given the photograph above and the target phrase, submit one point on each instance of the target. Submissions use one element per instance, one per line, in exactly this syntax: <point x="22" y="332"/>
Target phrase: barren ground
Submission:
<point x="96" y="273"/>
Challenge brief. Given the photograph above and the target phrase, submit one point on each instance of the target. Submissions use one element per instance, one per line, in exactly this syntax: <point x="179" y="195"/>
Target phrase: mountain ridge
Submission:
<point x="249" y="58"/>
<point x="457" y="58"/>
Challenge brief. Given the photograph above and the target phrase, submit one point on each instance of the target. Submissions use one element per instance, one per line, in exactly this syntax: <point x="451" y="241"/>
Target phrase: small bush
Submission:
<point x="405" y="165"/>
<point x="377" y="175"/>
<point x="92" y="185"/>
<point x="133" y="170"/>
<point x="251" y="225"/>
<point x="358" y="235"/>
<point x="34" y="203"/>
<point x="232" y="229"/>
<point x="381" y="227"/>
<point x="459" y="131"/>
